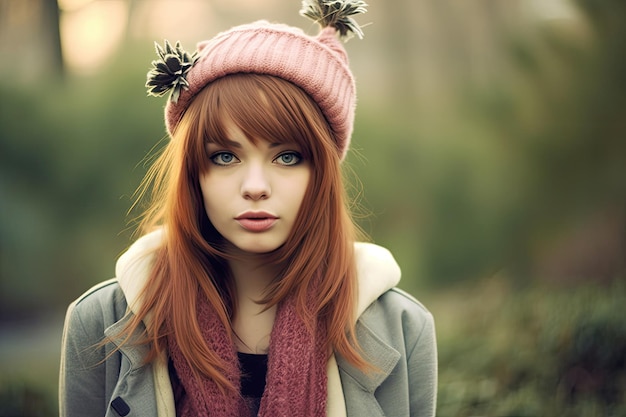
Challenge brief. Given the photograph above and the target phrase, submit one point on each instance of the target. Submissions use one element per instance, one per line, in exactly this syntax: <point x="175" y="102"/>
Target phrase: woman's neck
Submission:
<point x="252" y="322"/>
<point x="252" y="275"/>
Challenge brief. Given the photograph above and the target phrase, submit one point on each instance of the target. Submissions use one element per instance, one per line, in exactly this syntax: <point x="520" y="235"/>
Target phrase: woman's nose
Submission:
<point x="255" y="184"/>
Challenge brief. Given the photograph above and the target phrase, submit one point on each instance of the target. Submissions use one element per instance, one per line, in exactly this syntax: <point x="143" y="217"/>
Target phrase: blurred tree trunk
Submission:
<point x="435" y="47"/>
<point x="51" y="36"/>
<point x="132" y="8"/>
<point x="30" y="41"/>
<point x="401" y="26"/>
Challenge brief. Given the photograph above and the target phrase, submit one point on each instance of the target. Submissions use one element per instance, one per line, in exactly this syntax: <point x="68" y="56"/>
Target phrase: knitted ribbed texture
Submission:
<point x="318" y="65"/>
<point x="203" y="397"/>
<point x="296" y="371"/>
<point x="296" y="374"/>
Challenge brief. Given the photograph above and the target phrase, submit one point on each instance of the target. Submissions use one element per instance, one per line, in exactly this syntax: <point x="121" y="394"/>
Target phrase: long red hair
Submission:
<point x="318" y="252"/>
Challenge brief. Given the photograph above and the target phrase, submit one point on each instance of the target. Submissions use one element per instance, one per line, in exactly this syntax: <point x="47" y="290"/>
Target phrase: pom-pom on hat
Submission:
<point x="316" y="64"/>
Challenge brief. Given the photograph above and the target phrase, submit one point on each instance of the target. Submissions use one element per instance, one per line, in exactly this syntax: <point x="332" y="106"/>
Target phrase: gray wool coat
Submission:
<point x="395" y="332"/>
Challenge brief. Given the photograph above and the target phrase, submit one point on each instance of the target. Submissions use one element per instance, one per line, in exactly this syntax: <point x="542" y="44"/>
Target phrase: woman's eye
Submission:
<point x="224" y="158"/>
<point x="288" y="158"/>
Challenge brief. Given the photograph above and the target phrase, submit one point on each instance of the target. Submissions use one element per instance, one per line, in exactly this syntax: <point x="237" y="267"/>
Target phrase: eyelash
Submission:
<point x="296" y="155"/>
<point x="215" y="158"/>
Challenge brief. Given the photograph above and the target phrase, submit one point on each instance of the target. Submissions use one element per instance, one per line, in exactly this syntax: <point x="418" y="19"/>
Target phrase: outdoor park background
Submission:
<point x="490" y="143"/>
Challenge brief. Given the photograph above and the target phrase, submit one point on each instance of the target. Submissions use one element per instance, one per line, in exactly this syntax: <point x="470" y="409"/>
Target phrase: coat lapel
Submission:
<point x="135" y="353"/>
<point x="358" y="386"/>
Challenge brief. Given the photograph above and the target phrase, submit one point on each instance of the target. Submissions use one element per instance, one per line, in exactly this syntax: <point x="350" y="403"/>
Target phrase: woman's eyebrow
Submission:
<point x="229" y="142"/>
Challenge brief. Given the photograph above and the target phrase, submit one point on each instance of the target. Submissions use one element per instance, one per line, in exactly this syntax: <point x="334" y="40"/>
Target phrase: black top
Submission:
<point x="253" y="372"/>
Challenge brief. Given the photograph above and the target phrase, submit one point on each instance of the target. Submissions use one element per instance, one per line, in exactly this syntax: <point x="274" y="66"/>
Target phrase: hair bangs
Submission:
<point x="265" y="108"/>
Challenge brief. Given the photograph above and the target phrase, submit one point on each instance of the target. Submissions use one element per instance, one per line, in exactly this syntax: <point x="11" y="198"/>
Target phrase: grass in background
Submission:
<point x="534" y="352"/>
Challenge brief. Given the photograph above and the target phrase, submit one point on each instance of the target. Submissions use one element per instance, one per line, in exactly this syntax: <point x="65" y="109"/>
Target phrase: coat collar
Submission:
<point x="377" y="272"/>
<point x="379" y="354"/>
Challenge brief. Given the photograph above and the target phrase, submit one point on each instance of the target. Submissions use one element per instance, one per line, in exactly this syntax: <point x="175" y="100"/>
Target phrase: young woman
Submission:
<point x="248" y="293"/>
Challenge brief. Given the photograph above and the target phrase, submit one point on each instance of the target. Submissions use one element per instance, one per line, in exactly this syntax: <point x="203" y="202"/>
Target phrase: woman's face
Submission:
<point x="252" y="193"/>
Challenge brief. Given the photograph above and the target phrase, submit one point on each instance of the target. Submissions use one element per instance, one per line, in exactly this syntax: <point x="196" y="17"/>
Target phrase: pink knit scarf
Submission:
<point x="296" y="375"/>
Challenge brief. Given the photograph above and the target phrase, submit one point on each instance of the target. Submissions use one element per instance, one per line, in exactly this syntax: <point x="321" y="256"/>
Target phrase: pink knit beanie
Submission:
<point x="318" y="65"/>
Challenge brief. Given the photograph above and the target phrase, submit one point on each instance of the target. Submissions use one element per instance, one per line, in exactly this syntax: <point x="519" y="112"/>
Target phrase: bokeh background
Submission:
<point x="489" y="155"/>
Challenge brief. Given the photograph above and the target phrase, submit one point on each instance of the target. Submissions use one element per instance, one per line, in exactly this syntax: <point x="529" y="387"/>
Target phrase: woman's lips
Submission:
<point x="256" y="222"/>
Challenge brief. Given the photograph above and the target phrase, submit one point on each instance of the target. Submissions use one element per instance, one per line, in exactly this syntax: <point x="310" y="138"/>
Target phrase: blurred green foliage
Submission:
<point x="511" y="164"/>
<point x="23" y="400"/>
<point x="532" y="353"/>
<point x="70" y="159"/>
<point x="456" y="191"/>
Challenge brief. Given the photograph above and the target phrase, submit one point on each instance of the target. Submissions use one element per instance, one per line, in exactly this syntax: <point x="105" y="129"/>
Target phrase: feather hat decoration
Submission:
<point x="169" y="71"/>
<point x="336" y="14"/>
